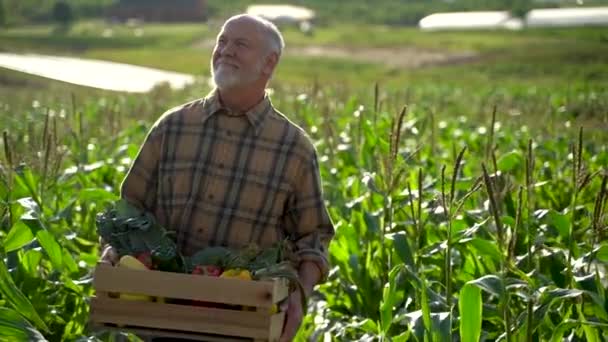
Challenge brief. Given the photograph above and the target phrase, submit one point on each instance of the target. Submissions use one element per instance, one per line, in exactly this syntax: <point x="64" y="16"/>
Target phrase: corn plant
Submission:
<point x="445" y="229"/>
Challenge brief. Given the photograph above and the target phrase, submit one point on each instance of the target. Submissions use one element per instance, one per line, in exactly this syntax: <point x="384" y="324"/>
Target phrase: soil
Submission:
<point x="394" y="57"/>
<point x="399" y="57"/>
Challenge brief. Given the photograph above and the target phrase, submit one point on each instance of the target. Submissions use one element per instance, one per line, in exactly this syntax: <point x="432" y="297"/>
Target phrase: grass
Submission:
<point x="186" y="60"/>
<point x="537" y="57"/>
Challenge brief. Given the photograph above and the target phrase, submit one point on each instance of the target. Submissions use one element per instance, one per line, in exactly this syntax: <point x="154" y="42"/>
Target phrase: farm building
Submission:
<point x="282" y="14"/>
<point x="505" y="20"/>
<point x="567" y="17"/>
<point x="470" y="20"/>
<point x="159" y="10"/>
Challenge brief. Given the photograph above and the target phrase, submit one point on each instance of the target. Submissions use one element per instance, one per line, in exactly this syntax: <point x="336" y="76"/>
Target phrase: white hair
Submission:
<point x="271" y="33"/>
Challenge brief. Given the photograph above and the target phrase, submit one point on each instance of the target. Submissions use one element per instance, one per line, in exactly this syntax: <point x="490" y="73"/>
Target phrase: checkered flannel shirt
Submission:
<point x="223" y="179"/>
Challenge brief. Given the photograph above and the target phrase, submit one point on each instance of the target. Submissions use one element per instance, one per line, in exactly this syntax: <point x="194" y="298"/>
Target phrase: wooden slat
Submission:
<point x="181" y="317"/>
<point x="276" y="327"/>
<point x="150" y="332"/>
<point x="177" y="285"/>
<point x="280" y="290"/>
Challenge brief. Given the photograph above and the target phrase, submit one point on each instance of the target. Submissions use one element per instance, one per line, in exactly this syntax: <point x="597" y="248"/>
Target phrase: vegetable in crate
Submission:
<point x="131" y="231"/>
<point x="236" y="273"/>
<point x="130" y="262"/>
<point x="208" y="270"/>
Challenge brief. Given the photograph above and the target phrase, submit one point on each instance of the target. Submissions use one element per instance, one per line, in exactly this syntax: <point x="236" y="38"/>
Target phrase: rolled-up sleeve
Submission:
<point x="308" y="218"/>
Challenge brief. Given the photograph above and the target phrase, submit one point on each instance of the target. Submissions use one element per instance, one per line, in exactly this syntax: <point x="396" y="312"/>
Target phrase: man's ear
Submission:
<point x="270" y="62"/>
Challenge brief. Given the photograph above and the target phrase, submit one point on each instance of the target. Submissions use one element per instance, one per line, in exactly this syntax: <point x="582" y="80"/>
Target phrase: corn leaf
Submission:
<point x="510" y="161"/>
<point x="98" y="195"/>
<point x="491" y="284"/>
<point x="51" y="247"/>
<point x="19" y="236"/>
<point x="403" y="337"/>
<point x="389" y="298"/>
<point x="402" y="248"/>
<point x="560" y="222"/>
<point x="602" y="253"/>
<point x="13" y="327"/>
<point x="30" y="261"/>
<point x="14" y="296"/>
<point x="470" y="308"/>
<point x="562" y="328"/>
<point x="487" y="248"/>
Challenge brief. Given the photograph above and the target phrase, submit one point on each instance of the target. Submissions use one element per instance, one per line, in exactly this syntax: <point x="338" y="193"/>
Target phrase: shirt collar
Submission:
<point x="255" y="115"/>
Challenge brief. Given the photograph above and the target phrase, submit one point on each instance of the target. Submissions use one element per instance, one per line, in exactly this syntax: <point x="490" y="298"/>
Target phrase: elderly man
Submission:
<point x="229" y="169"/>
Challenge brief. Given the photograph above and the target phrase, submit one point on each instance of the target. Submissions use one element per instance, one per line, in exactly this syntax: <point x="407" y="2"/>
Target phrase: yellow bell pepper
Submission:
<point x="272" y="310"/>
<point x="236" y="274"/>
<point x="128" y="261"/>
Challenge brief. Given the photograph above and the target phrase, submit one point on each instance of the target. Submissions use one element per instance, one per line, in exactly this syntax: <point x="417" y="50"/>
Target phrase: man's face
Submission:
<point x="239" y="55"/>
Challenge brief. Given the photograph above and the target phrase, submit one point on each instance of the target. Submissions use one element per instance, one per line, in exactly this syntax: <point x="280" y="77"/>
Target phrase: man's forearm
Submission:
<point x="309" y="276"/>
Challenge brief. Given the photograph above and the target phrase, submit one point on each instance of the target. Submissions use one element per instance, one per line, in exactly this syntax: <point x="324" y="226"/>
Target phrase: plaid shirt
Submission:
<point x="222" y="179"/>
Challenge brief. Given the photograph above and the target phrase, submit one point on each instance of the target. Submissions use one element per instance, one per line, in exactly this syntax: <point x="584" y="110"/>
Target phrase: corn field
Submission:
<point x="458" y="218"/>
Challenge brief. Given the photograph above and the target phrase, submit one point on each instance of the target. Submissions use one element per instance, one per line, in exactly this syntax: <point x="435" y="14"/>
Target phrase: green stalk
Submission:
<point x="501" y="247"/>
<point x="414" y="218"/>
<point x="8" y="154"/>
<point x="386" y="257"/>
<point x="45" y="131"/>
<point x="490" y="143"/>
<point x="447" y="209"/>
<point x="433" y="133"/>
<point x="577" y="152"/>
<point x="493" y="207"/>
<point x="529" y="185"/>
<point x="530" y="319"/>
<point x="393" y="176"/>
<point x="598" y="210"/>
<point x="448" y="254"/>
<point x="518" y="215"/>
<point x="80" y="138"/>
<point x="455" y="176"/>
<point x="359" y="147"/>
<point x="529" y="238"/>
<point x="419" y="221"/>
<point x="397" y="134"/>
<point x="45" y="168"/>
<point x="376" y="102"/>
<point x="417" y="218"/>
<point x="416" y="237"/>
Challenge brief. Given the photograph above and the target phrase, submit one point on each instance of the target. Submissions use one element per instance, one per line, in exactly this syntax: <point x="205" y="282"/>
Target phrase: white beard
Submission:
<point x="226" y="77"/>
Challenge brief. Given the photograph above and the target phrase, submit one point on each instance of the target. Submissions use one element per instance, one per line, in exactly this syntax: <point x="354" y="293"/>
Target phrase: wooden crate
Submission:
<point x="186" y="320"/>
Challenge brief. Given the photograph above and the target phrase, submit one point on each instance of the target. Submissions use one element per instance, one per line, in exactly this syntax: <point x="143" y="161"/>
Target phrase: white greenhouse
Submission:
<point x="282" y="14"/>
<point x="470" y="20"/>
<point x="567" y="17"/>
<point x="504" y="20"/>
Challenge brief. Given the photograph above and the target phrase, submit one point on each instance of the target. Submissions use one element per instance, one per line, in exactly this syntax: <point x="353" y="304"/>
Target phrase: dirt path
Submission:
<point x="394" y="57"/>
<point x="400" y="57"/>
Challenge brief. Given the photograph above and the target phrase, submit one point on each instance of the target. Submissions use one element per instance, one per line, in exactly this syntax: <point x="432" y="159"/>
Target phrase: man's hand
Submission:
<point x="294" y="315"/>
<point x="309" y="276"/>
<point x="109" y="256"/>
